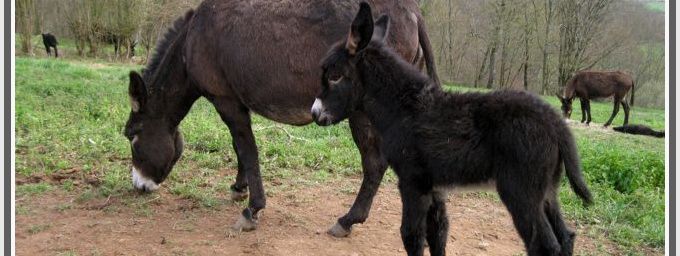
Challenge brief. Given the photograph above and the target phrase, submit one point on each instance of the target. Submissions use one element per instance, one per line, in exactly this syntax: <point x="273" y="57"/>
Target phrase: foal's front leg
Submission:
<point x="374" y="166"/>
<point x="437" y="224"/>
<point x="415" y="205"/>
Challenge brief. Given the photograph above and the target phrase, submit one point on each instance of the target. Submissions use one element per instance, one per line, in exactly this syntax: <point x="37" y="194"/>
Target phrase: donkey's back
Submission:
<point x="596" y="84"/>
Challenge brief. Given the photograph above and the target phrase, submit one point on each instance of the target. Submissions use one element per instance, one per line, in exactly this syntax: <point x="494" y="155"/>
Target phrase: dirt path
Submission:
<point x="294" y="223"/>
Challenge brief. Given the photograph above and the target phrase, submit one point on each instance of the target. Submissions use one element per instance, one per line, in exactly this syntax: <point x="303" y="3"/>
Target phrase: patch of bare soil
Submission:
<point x="294" y="223"/>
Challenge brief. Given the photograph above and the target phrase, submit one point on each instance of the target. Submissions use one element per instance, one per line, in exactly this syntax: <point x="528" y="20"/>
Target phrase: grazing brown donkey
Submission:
<point x="261" y="57"/>
<point x="588" y="85"/>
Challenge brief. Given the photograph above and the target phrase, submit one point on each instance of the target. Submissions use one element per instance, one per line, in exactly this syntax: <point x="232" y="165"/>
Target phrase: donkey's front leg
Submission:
<point x="237" y="117"/>
<point x="374" y="166"/>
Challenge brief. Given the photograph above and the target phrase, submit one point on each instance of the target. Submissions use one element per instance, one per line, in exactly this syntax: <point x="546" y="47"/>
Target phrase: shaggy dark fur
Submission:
<point x="262" y="57"/>
<point x="639" y="130"/>
<point x="50" y="41"/>
<point x="587" y="85"/>
<point x="434" y="140"/>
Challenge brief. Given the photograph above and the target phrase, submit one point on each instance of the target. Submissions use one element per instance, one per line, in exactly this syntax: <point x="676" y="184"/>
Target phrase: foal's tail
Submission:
<point x="424" y="42"/>
<point x="572" y="166"/>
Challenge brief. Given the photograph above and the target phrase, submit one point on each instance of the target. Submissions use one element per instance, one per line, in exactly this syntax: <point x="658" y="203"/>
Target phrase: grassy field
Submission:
<point x="70" y="115"/>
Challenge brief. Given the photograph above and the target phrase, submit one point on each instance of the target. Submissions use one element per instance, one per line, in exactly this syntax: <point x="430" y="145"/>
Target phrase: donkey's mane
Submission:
<point x="163" y="45"/>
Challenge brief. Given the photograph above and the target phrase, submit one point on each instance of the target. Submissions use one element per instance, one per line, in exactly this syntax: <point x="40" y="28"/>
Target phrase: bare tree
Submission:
<point x="25" y="11"/>
<point x="581" y="21"/>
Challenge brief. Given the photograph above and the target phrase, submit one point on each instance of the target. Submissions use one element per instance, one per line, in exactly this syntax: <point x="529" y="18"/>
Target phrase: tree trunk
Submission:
<point x="483" y="67"/>
<point x="25" y="10"/>
<point x="492" y="64"/>
<point x="544" y="65"/>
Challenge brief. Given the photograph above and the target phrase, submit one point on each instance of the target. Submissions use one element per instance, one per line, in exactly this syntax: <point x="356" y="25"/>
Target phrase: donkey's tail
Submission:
<point x="572" y="166"/>
<point x="632" y="93"/>
<point x="424" y="42"/>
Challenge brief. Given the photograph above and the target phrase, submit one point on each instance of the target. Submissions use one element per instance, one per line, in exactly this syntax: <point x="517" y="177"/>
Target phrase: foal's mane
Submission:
<point x="164" y="44"/>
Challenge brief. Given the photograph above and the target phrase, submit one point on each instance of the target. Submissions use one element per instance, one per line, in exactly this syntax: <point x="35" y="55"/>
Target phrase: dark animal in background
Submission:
<point x="50" y="41"/>
<point x="434" y="140"/>
<point x="266" y="63"/>
<point x="639" y="130"/>
<point x="587" y="85"/>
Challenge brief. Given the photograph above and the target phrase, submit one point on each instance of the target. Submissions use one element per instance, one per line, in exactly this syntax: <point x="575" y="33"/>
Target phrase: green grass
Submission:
<point x="656" y="6"/>
<point x="70" y="114"/>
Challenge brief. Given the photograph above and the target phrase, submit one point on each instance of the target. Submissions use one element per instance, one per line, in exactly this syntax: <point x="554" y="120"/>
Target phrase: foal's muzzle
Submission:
<point x="319" y="115"/>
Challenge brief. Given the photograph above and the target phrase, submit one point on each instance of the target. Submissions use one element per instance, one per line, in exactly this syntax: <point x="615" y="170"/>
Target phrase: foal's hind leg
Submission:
<point x="374" y="166"/>
<point x="237" y="117"/>
<point x="437" y="224"/>
<point x="564" y="235"/>
<point x="526" y="208"/>
<point x="616" y="111"/>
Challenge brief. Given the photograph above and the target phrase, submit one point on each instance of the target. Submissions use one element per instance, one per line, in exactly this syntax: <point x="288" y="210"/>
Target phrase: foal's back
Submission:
<point x="465" y="135"/>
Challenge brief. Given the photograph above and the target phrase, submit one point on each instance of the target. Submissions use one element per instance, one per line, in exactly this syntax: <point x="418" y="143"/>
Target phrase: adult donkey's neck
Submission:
<point x="170" y="91"/>
<point x="394" y="89"/>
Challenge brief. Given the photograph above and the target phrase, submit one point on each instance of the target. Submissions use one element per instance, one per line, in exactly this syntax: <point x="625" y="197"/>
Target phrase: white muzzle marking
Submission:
<point x="320" y="112"/>
<point x="143" y="183"/>
<point x="318" y="106"/>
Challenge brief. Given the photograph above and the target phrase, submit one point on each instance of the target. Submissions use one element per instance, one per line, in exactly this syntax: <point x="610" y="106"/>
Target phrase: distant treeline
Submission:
<point x="532" y="44"/>
<point x="539" y="44"/>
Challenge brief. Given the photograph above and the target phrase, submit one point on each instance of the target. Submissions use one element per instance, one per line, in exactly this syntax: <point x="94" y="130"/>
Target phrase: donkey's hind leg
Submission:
<point x="614" y="112"/>
<point x="237" y="118"/>
<point x="437" y="224"/>
<point x="526" y="208"/>
<point x="626" y="111"/>
<point x="374" y="166"/>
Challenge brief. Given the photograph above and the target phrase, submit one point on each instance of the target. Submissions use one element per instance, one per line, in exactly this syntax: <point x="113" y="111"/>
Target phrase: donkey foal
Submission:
<point x="434" y="140"/>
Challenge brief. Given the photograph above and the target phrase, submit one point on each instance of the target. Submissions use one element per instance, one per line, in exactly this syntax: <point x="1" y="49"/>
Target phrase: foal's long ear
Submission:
<point x="361" y="31"/>
<point x="381" y="28"/>
<point x="137" y="91"/>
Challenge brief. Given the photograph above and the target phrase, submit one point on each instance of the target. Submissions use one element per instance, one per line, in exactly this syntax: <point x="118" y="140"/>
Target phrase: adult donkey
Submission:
<point x="588" y="85"/>
<point x="260" y="56"/>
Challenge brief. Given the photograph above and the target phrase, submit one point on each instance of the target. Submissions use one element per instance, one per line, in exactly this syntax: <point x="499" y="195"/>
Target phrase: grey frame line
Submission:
<point x="671" y="140"/>
<point x="7" y="147"/>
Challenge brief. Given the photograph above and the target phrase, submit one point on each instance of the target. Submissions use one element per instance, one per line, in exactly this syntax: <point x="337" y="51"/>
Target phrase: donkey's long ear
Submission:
<point x="137" y="91"/>
<point x="361" y="31"/>
<point x="381" y="28"/>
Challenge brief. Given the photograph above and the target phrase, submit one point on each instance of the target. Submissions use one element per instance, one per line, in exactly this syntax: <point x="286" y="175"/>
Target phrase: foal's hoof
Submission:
<point x="338" y="231"/>
<point x="244" y="224"/>
<point x="239" y="195"/>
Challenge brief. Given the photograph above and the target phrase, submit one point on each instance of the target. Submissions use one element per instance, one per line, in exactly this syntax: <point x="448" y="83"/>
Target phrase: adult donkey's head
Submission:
<point x="159" y="101"/>
<point x="155" y="141"/>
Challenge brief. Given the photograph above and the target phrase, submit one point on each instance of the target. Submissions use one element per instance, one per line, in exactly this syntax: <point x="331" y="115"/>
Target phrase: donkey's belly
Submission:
<point x="293" y="115"/>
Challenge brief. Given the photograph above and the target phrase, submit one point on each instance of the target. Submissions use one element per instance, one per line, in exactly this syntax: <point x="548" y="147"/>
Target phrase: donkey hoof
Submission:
<point x="244" y="224"/>
<point x="239" y="195"/>
<point x="338" y="231"/>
